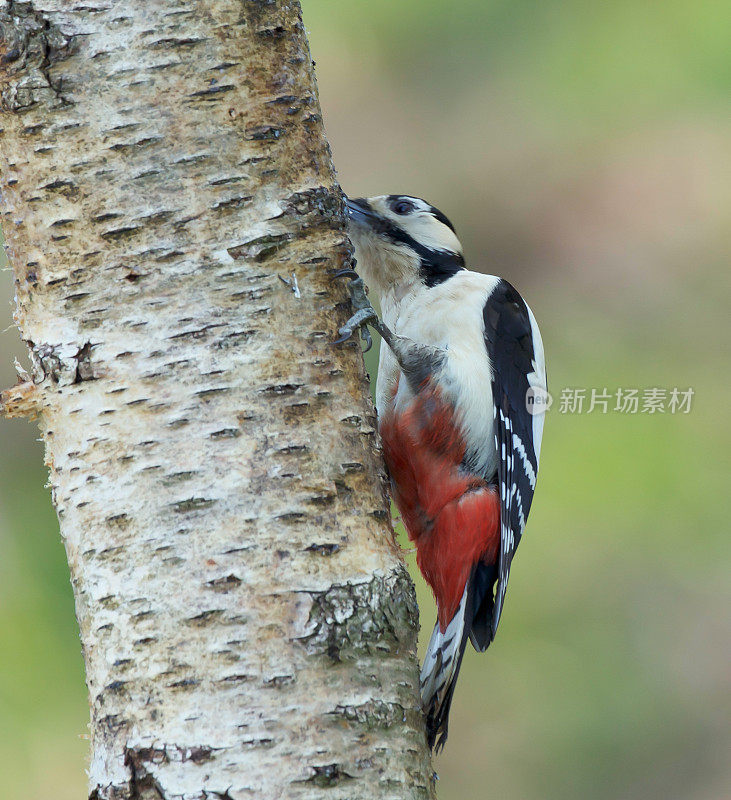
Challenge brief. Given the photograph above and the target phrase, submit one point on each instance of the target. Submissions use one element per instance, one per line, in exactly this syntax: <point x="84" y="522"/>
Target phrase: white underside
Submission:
<point x="447" y="316"/>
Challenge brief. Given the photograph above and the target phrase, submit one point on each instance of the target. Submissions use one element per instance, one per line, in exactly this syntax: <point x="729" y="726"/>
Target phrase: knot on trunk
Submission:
<point x="355" y="618"/>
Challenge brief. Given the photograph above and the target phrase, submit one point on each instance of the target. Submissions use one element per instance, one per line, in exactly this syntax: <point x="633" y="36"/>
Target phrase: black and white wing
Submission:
<point x="515" y="351"/>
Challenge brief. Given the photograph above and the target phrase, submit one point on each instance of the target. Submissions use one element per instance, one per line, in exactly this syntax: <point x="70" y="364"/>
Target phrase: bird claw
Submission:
<point x="364" y="312"/>
<point x="347" y="273"/>
<point x="359" y="320"/>
<point x="365" y="335"/>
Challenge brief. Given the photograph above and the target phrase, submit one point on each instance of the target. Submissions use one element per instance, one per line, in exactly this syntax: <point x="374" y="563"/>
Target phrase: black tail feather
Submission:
<point x="483" y="580"/>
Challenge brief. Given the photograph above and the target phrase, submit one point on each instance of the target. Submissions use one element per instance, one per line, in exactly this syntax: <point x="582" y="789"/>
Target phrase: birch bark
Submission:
<point x="248" y="627"/>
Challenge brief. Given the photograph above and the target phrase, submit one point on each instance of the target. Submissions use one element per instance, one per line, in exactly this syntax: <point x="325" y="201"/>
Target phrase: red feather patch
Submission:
<point x="453" y="517"/>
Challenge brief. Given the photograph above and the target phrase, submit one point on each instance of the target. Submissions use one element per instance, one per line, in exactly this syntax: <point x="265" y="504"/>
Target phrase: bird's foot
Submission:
<point x="364" y="311"/>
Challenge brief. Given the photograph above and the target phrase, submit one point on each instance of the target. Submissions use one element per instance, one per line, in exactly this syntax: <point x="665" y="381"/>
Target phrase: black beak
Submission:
<point x="360" y="212"/>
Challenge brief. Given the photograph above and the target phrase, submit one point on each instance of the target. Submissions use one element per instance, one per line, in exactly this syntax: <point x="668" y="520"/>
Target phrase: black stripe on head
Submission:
<point x="436" y="266"/>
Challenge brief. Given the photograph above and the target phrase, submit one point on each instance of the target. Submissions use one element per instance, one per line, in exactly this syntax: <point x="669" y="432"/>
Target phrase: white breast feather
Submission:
<point x="449" y="316"/>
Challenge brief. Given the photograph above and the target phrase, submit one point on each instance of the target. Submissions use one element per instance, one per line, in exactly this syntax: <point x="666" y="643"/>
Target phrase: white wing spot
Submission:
<point x="529" y="471"/>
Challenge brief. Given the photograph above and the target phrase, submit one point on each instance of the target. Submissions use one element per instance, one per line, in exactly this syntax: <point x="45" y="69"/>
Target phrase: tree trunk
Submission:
<point x="248" y="627"/>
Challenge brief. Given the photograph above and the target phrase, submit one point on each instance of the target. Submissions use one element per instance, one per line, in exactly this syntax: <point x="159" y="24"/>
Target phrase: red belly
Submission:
<point x="453" y="517"/>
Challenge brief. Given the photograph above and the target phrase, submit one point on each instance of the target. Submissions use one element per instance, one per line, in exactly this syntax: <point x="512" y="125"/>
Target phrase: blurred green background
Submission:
<point x="582" y="150"/>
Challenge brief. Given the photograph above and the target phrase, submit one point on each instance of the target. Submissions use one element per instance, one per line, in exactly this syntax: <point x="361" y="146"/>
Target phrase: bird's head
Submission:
<point x="400" y="241"/>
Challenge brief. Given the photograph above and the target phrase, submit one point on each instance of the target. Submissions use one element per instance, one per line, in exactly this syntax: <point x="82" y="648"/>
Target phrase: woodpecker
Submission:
<point x="460" y="393"/>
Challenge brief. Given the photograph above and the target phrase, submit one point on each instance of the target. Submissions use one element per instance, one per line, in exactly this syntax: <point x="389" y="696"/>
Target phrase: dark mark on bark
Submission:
<point x="204" y="617"/>
<point x="84" y="371"/>
<point x="236" y="679"/>
<point x="198" y="754"/>
<point x="113" y="723"/>
<point x="291" y="516"/>
<point x="373" y="714"/>
<point x="276" y="32"/>
<point x="281" y="388"/>
<point x="205" y="94"/>
<point x="327" y="775"/>
<point x="175" y="42"/>
<point x="325" y="499"/>
<point x="226" y="433"/>
<point x="198" y="158"/>
<point x="67" y="188"/>
<point x="196" y="333"/>
<point x="185" y="683"/>
<point x="287" y="100"/>
<point x="323" y="549"/>
<point x="178" y="477"/>
<point x="277" y="681"/>
<point x="232" y="203"/>
<point x="257" y="743"/>
<point x="191" y="504"/>
<point x="263" y="132"/>
<point x="261" y="248"/>
<point x="126" y="147"/>
<point x="292" y="448"/>
<point x="228" y="180"/>
<point x="120" y="233"/>
<point x="211" y="392"/>
<point x="224" y="584"/>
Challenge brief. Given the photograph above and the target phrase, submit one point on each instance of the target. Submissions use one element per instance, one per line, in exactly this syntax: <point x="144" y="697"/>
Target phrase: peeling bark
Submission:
<point x="248" y="627"/>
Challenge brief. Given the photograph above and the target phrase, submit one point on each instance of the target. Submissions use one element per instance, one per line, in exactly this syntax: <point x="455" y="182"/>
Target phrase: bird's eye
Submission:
<point x="403" y="207"/>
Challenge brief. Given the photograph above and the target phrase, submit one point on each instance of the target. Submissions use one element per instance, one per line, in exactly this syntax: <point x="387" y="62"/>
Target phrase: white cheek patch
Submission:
<point x="430" y="232"/>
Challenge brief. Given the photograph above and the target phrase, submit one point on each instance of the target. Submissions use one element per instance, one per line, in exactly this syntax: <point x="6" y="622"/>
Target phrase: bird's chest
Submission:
<point x="464" y="378"/>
